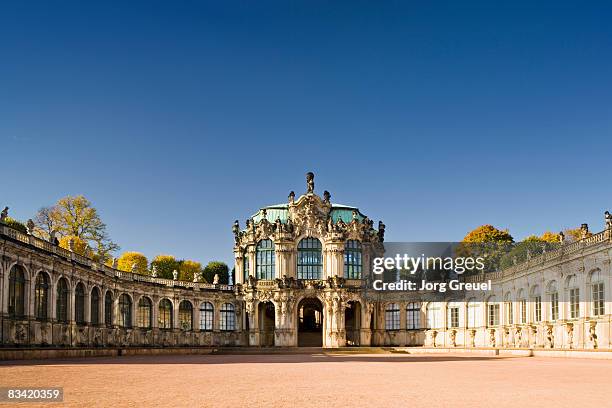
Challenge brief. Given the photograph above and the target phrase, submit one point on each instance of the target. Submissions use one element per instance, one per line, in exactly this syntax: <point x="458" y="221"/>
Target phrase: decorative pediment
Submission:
<point x="309" y="215"/>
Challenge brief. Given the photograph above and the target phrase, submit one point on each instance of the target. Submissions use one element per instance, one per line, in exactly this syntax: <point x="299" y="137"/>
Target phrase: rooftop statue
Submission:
<point x="4" y="214"/>
<point x="608" y="218"/>
<point x="310" y="182"/>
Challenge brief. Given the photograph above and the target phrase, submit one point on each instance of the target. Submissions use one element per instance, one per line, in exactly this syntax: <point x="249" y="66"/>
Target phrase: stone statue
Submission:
<point x="134" y="268"/>
<point x="381" y="231"/>
<point x="264" y="214"/>
<point x="326" y="196"/>
<point x="492" y="339"/>
<point x="550" y="336"/>
<point x="4" y="214"/>
<point x="310" y="182"/>
<point x="196" y="277"/>
<point x="584" y="231"/>
<point x="154" y="271"/>
<point x="216" y="279"/>
<point x="279" y="224"/>
<point x="330" y="224"/>
<point x="289" y="225"/>
<point x="71" y="244"/>
<point x="355" y="215"/>
<point x="569" y="328"/>
<point x="608" y="218"/>
<point x="561" y="237"/>
<point x="175" y="274"/>
<point x="115" y="263"/>
<point x="236" y="231"/>
<point x="30" y="226"/>
<point x="593" y="333"/>
<point x="292" y="197"/>
<point x="52" y="237"/>
<point x="453" y="338"/>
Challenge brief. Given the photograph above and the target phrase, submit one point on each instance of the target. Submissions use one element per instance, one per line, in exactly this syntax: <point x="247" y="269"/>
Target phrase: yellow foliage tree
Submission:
<point x="550" y="237"/>
<point x="488" y="233"/>
<point x="79" y="245"/>
<point x="133" y="262"/>
<point x="188" y="268"/>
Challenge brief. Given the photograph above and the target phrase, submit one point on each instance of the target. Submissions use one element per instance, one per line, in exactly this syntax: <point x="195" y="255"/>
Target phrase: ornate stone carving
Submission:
<point x="492" y="338"/>
<point x="569" y="328"/>
<point x="550" y="336"/>
<point x="453" y="338"/>
<point x="593" y="333"/>
<point x="310" y="182"/>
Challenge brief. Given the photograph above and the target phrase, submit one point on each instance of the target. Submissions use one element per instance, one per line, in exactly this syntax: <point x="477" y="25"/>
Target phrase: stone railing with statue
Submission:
<point x="89" y="262"/>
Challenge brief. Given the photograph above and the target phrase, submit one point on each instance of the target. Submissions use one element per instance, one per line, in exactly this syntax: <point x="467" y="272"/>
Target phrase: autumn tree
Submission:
<point x="575" y="234"/>
<point x="165" y="265"/>
<point x="487" y="242"/>
<point x="133" y="262"/>
<point x="216" y="268"/>
<point x="75" y="216"/>
<point x="79" y="246"/>
<point x="188" y="268"/>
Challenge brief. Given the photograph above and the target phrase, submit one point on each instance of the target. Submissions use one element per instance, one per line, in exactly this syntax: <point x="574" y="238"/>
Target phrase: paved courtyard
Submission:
<point x="323" y="380"/>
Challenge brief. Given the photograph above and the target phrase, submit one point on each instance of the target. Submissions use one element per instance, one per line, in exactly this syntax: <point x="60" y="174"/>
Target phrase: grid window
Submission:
<point x="228" y="317"/>
<point x="264" y="262"/>
<point x="108" y="309"/>
<point x="537" y="301"/>
<point x="392" y="316"/>
<point x="597" y="291"/>
<point x="574" y="295"/>
<point x="79" y="304"/>
<point x="16" y="305"/>
<point x="310" y="260"/>
<point x="165" y="314"/>
<point x="144" y="312"/>
<point x="413" y="316"/>
<point x="41" y="296"/>
<point x="473" y="310"/>
<point x="509" y="313"/>
<point x="125" y="311"/>
<point x="554" y="306"/>
<point x="433" y="315"/>
<point x="493" y="313"/>
<point x="453" y="317"/>
<point x="523" y="307"/>
<point x="352" y="260"/>
<point x="61" y="306"/>
<point x="206" y="316"/>
<point x="95" y="306"/>
<point x="186" y="315"/>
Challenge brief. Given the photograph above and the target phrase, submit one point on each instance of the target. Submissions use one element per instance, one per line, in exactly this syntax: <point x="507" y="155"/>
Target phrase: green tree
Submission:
<point x="188" y="268"/>
<point x="165" y="264"/>
<point x="18" y="225"/>
<point x="136" y="260"/>
<point x="487" y="242"/>
<point x="216" y="268"/>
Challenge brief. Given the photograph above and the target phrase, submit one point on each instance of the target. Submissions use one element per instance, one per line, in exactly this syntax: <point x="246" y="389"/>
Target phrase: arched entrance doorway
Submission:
<point x="310" y="323"/>
<point x="352" y="323"/>
<point x="266" y="323"/>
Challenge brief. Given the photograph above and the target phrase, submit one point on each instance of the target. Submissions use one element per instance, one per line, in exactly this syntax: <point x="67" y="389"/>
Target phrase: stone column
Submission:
<point x="154" y="312"/>
<point x="285" y="264"/>
<point x="239" y="265"/>
<point x="333" y="264"/>
<point x="87" y="306"/>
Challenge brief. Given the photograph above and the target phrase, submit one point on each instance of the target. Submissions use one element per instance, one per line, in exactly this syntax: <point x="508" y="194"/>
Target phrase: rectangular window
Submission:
<point x="392" y="317"/>
<point x="509" y="313"/>
<point x="598" y="299"/>
<point x="538" y="308"/>
<point x="493" y="314"/>
<point x="473" y="310"/>
<point x="554" y="306"/>
<point x="453" y="317"/>
<point x="413" y="316"/>
<point x="574" y="295"/>
<point x="523" y="305"/>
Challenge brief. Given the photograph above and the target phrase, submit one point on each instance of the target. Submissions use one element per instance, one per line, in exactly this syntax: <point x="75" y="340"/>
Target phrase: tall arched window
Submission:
<point x="434" y="319"/>
<point x="598" y="297"/>
<point x="125" y="311"/>
<point x="310" y="260"/>
<point x="95" y="306"/>
<point x="246" y="266"/>
<point x="413" y="316"/>
<point x="108" y="308"/>
<point x="392" y="316"/>
<point x="522" y="302"/>
<point x="206" y="316"/>
<point x="144" y="312"/>
<point x="61" y="306"/>
<point x="553" y="297"/>
<point x="352" y="260"/>
<point x="185" y="315"/>
<point x="492" y="311"/>
<point x="264" y="262"/>
<point x="473" y="308"/>
<point x="165" y="314"/>
<point x="16" y="305"/>
<point x="574" y="297"/>
<point x="228" y="317"/>
<point x="536" y="298"/>
<point x="41" y="296"/>
<point x="79" y="304"/>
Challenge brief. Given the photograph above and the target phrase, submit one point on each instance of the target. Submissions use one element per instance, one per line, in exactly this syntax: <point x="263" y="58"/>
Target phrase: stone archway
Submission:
<point x="352" y="323"/>
<point x="310" y="323"/>
<point x="267" y="314"/>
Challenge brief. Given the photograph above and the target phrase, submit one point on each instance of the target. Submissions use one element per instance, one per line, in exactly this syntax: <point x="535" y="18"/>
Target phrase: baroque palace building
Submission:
<point x="303" y="278"/>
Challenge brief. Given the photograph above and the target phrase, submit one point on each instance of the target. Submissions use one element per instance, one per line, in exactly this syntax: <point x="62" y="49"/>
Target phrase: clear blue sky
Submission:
<point x="176" y="119"/>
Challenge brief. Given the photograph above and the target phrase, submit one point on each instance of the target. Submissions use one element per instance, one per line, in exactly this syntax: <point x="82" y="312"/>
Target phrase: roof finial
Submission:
<point x="310" y="182"/>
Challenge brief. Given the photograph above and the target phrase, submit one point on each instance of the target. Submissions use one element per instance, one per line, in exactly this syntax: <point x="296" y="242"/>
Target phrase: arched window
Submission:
<point x="473" y="311"/>
<point x="144" y="312"/>
<point x="352" y="260"/>
<point x="310" y="260"/>
<point x="553" y="297"/>
<point x="246" y="267"/>
<point x="598" y="297"/>
<point x="433" y="315"/>
<point x="264" y="262"/>
<point x="574" y="297"/>
<point x="108" y="308"/>
<point x="41" y="296"/>
<point x="536" y="298"/>
<point x="16" y="305"/>
<point x="186" y="315"/>
<point x="165" y="314"/>
<point x="228" y="317"/>
<point x="492" y="312"/>
<point x="206" y="316"/>
<point x="95" y="306"/>
<point x="413" y="316"/>
<point x="61" y="306"/>
<point x="392" y="316"/>
<point x="79" y="304"/>
<point x="125" y="311"/>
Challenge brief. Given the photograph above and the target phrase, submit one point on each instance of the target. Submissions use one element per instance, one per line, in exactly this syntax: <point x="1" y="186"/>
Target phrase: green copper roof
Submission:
<point x="339" y="211"/>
